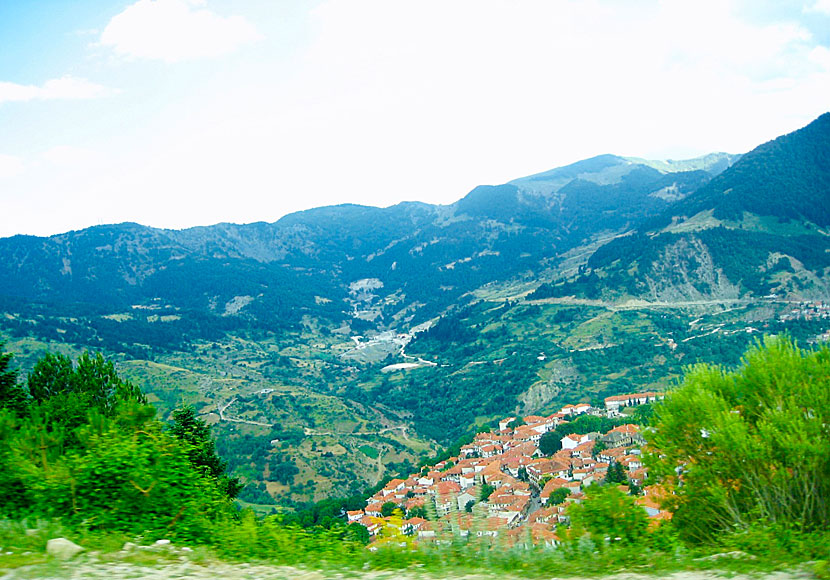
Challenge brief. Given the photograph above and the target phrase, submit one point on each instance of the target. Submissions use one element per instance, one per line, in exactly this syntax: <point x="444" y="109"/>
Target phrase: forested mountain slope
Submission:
<point x="759" y="228"/>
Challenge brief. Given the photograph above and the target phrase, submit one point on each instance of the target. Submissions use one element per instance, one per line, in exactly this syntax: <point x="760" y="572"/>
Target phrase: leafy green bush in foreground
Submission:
<point x="748" y="450"/>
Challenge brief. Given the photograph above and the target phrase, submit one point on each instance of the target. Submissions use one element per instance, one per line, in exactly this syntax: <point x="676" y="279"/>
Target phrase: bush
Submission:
<point x="750" y="447"/>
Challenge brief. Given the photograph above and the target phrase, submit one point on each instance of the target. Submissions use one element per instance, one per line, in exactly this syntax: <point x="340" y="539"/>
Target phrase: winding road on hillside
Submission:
<point x="638" y="304"/>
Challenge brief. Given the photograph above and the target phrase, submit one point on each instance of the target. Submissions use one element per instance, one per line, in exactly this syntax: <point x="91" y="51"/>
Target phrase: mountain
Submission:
<point x="426" y="257"/>
<point x="787" y="178"/>
<point x="759" y="228"/>
<point x="338" y="345"/>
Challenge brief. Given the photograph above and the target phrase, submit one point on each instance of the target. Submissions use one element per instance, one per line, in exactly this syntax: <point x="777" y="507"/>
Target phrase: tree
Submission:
<point x="418" y="511"/>
<point x="51" y="376"/>
<point x="68" y="391"/>
<point x="388" y="508"/>
<point x="550" y="443"/>
<point x="608" y="513"/>
<point x="195" y="433"/>
<point x="485" y="492"/>
<point x="88" y="451"/>
<point x="558" y="495"/>
<point x="132" y="480"/>
<point x="358" y="533"/>
<point x="750" y="446"/>
<point x="12" y="396"/>
<point x="517" y="422"/>
<point x="616" y="474"/>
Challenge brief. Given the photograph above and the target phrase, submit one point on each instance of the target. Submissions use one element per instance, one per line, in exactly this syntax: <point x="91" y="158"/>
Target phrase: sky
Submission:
<point x="177" y="113"/>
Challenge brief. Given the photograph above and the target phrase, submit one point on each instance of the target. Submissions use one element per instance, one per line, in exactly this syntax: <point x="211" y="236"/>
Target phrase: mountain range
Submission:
<point x="339" y="344"/>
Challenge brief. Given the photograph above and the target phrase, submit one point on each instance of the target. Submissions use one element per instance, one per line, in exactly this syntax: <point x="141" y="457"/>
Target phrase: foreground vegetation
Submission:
<point x="744" y="458"/>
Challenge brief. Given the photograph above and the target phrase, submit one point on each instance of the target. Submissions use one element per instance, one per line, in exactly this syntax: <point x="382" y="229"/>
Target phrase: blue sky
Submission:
<point x="175" y="113"/>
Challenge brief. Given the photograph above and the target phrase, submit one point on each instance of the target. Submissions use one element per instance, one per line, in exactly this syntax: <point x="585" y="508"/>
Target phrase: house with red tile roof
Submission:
<point x="374" y="509"/>
<point x="541" y="467"/>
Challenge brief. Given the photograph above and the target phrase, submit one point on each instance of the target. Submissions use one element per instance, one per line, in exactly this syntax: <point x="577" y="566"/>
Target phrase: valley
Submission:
<point x="340" y="346"/>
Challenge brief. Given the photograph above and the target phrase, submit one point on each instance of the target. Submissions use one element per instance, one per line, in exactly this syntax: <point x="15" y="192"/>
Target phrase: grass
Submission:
<point x="369" y="451"/>
<point x="256" y="542"/>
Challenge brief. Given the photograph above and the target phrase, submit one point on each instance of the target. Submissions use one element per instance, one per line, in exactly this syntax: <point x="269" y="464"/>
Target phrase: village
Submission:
<point x="807" y="311"/>
<point x="503" y="485"/>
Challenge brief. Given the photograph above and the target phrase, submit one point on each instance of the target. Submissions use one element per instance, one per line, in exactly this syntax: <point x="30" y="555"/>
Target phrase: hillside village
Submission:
<point x="503" y="485"/>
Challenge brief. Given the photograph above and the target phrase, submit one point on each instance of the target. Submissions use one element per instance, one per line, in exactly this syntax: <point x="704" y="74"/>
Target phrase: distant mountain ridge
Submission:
<point x="494" y="229"/>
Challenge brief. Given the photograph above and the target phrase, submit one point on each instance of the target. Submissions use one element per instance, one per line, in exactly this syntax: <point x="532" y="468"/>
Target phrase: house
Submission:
<point x="551" y="486"/>
<point x="413" y="525"/>
<point x="527" y="433"/>
<point x="374" y="509"/>
<point x="469" y="450"/>
<point x="505" y="422"/>
<point x="648" y="503"/>
<point x="490" y="450"/>
<point x="354" y="516"/>
<point x="541" y="467"/>
<point x="575" y="439"/>
<point x="452" y="474"/>
<point x="466" y="497"/>
<point x="631" y="462"/>
<point x="416" y="500"/>
<point x="541" y="534"/>
<point x="612" y="455"/>
<point x="583" y="450"/>
<point x="617" y="402"/>
<point x="638" y="476"/>
<point x="512" y="463"/>
<point x="427" y="530"/>
<point x="393" y="486"/>
<point x="371" y="523"/>
<point x="543" y="426"/>
<point x="467" y="480"/>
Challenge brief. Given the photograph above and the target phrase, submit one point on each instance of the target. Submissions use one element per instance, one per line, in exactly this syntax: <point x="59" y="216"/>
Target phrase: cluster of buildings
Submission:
<point x="807" y="311"/>
<point x="501" y="484"/>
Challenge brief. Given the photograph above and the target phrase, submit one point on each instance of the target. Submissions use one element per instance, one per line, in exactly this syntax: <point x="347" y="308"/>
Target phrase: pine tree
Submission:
<point x="12" y="395"/>
<point x="194" y="432"/>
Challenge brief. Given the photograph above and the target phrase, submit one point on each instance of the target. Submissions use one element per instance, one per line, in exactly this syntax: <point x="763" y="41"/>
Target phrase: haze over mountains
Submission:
<point x="356" y="337"/>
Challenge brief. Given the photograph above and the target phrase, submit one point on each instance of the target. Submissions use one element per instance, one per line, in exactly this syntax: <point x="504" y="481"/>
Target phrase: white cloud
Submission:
<point x="820" y="6"/>
<point x="10" y="166"/>
<point x="382" y="101"/>
<point x="72" y="157"/>
<point x="66" y="87"/>
<point x="175" y="30"/>
<point x="820" y="55"/>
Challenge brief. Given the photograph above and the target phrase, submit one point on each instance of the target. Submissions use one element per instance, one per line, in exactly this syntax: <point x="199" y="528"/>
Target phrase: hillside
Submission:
<point x="338" y="345"/>
<point x="757" y="229"/>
